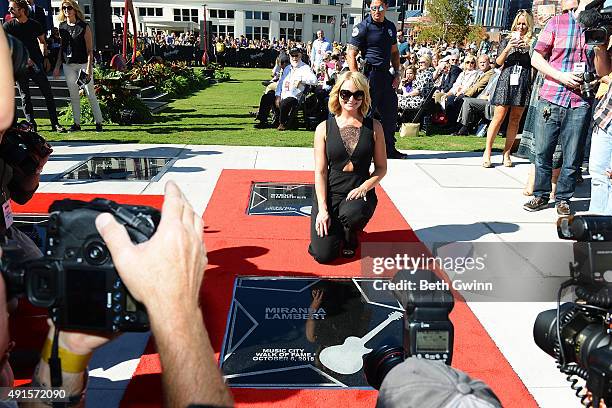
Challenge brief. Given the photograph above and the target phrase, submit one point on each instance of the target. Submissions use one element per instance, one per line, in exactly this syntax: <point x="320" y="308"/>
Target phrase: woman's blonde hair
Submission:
<point x="528" y="20"/>
<point x="75" y="6"/>
<point x="360" y="82"/>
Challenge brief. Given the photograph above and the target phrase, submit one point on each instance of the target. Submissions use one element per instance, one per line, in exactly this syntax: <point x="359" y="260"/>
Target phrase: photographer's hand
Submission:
<point x="165" y="274"/>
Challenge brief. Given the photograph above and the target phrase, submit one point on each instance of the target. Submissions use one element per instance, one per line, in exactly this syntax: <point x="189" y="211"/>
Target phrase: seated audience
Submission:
<point x="421" y="87"/>
<point x="474" y="109"/>
<point x="451" y="100"/>
<point x="291" y="87"/>
<point x="268" y="99"/>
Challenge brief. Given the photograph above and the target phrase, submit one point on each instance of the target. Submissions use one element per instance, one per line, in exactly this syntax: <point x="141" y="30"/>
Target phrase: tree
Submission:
<point x="448" y="20"/>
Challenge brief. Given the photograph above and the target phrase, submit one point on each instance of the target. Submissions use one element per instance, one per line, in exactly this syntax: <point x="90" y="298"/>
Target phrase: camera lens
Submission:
<point x="96" y="253"/>
<point x="379" y="362"/>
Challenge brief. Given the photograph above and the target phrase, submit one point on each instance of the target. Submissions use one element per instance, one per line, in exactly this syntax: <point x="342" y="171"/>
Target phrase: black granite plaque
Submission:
<point x="306" y="332"/>
<point x="119" y="169"/>
<point x="34" y="226"/>
<point x="281" y="199"/>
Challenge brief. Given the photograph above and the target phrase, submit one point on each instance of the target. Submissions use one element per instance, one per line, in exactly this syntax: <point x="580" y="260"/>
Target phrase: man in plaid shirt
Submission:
<point x="600" y="160"/>
<point x="561" y="54"/>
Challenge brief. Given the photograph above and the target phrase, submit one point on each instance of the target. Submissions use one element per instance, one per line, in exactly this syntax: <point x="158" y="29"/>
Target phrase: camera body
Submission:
<point x="588" y="86"/>
<point x="76" y="280"/>
<point x="23" y="148"/>
<point x="428" y="331"/>
<point x="597" y="19"/>
<point x="577" y="334"/>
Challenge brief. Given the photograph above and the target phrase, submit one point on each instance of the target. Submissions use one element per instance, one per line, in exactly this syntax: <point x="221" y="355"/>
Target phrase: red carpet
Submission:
<point x="276" y="246"/>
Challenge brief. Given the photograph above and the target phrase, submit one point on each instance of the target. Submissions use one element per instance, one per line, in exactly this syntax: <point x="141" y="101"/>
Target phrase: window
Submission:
<point x="159" y="12"/>
<point x="300" y="1"/>
<point x="186" y="15"/>
<point x="265" y="15"/>
<point x="256" y="15"/>
<point x="149" y="12"/>
<point x="248" y="15"/>
<point x="87" y="9"/>
<point x="332" y="2"/>
<point x="257" y="33"/>
<point x="221" y="13"/>
<point x="230" y="13"/>
<point x="291" y="34"/>
<point x="224" y="30"/>
<point x="316" y="1"/>
<point x="117" y="11"/>
<point x="212" y="13"/>
<point x="352" y="21"/>
<point x="283" y="16"/>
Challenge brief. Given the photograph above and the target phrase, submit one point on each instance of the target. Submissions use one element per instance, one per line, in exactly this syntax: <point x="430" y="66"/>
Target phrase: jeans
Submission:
<point x="39" y="77"/>
<point x="570" y="127"/>
<point x="71" y="72"/>
<point x="600" y="160"/>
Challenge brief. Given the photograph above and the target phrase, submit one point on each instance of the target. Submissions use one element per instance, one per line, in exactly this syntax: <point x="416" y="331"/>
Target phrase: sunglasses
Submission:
<point x="346" y="95"/>
<point x="377" y="8"/>
<point x="69" y="8"/>
<point x="524" y="11"/>
<point x="470" y="62"/>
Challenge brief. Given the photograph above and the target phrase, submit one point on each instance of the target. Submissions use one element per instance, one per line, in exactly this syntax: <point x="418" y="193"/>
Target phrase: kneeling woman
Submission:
<point x="344" y="147"/>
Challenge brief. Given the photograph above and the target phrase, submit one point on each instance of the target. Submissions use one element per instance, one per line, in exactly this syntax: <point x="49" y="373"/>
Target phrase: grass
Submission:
<point x="220" y="115"/>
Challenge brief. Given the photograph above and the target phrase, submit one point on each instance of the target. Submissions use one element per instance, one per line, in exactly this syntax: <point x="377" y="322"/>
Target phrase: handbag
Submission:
<point x="409" y="129"/>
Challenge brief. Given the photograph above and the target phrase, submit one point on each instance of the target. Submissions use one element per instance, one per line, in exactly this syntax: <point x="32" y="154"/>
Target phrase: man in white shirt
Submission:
<point x="291" y="86"/>
<point x="320" y="47"/>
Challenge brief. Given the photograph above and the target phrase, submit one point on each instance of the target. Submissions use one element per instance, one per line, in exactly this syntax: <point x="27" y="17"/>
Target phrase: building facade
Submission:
<point x="255" y="19"/>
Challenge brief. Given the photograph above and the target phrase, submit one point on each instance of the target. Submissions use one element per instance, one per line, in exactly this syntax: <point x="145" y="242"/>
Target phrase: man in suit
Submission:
<point x="450" y="74"/>
<point x="38" y="14"/>
<point x="475" y="108"/>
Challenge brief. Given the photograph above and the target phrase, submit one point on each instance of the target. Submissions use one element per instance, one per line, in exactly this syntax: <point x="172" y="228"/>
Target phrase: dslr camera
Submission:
<point x="588" y="86"/>
<point x="76" y="279"/>
<point x="578" y="334"/>
<point x="22" y="148"/>
<point x="597" y="19"/>
<point x="428" y="331"/>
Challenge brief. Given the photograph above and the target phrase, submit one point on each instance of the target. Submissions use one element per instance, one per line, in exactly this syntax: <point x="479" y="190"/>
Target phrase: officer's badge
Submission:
<point x="356" y="31"/>
<point x="390" y="33"/>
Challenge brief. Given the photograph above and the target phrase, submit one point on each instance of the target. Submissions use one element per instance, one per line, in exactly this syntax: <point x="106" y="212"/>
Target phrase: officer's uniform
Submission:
<point x="375" y="41"/>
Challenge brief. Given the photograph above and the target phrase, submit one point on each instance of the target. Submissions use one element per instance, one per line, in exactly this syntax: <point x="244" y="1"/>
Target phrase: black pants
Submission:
<point x="347" y="219"/>
<point x="384" y="104"/>
<point x="288" y="110"/>
<point x="266" y="104"/>
<point x="40" y="79"/>
<point x="453" y="106"/>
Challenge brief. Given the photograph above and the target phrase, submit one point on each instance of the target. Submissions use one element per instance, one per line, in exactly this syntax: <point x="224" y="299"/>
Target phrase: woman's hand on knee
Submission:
<point x="359" y="192"/>
<point x="322" y="223"/>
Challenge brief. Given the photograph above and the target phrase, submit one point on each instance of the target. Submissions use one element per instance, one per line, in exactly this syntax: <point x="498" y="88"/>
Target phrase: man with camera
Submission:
<point x="562" y="55"/>
<point x="165" y="274"/>
<point x="600" y="159"/>
<point x="31" y="34"/>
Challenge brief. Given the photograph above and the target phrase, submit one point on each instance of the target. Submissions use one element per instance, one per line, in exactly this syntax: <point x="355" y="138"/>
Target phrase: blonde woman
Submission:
<point x="344" y="147"/>
<point x="513" y="88"/>
<point x="76" y="54"/>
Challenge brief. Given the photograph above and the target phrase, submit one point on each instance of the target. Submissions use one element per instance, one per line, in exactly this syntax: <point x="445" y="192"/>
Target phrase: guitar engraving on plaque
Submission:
<point x="347" y="358"/>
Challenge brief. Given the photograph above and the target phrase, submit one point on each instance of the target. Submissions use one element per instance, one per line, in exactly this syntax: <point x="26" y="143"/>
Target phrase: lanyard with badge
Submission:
<point x="515" y="75"/>
<point x="6" y="204"/>
<point x="579" y="67"/>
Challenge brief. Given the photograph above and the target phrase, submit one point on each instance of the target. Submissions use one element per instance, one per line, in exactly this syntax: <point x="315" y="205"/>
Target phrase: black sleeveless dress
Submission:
<point x="347" y="217"/>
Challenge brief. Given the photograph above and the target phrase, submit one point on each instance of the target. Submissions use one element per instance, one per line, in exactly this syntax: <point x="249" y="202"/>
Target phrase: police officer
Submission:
<point x="376" y="37"/>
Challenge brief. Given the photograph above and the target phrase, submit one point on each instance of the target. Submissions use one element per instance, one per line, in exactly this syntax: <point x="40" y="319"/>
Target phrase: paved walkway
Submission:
<point x="444" y="196"/>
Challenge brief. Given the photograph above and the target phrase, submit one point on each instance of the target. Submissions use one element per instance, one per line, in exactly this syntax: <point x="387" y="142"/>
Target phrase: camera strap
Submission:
<point x="55" y="366"/>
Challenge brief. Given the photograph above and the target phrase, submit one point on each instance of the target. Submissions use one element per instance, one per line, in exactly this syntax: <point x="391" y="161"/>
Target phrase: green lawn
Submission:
<point x="220" y="115"/>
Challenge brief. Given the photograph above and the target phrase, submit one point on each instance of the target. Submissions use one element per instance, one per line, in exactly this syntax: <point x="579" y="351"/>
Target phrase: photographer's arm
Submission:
<point x="7" y="83"/>
<point x="603" y="62"/>
<point x="165" y="273"/>
<point x="75" y="352"/>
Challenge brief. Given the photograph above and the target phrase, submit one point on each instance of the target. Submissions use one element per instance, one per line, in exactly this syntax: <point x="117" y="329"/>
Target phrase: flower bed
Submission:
<point x="116" y="90"/>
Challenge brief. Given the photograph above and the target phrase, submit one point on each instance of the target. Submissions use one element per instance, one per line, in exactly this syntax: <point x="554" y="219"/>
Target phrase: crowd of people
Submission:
<point x="521" y="84"/>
